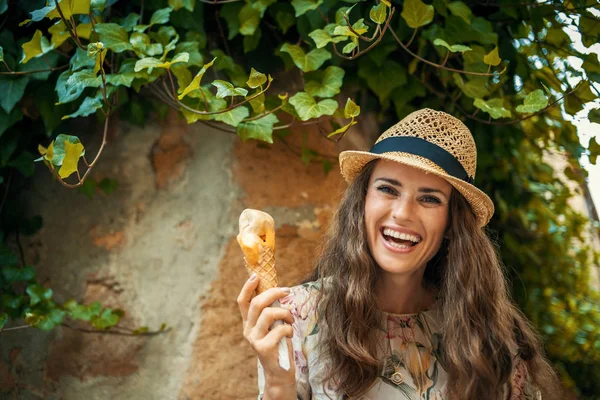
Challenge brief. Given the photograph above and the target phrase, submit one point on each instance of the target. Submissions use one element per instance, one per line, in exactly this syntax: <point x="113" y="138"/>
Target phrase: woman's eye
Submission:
<point x="431" y="199"/>
<point x="387" y="189"/>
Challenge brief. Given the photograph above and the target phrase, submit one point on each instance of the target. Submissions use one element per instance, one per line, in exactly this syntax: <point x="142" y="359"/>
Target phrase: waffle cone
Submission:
<point x="264" y="268"/>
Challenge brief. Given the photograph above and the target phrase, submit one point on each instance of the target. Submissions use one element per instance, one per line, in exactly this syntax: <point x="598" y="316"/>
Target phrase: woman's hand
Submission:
<point x="258" y="317"/>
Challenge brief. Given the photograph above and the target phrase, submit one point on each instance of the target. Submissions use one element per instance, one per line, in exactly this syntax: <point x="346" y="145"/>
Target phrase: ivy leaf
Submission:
<point x="258" y="104"/>
<point x="285" y="20"/>
<point x="230" y="12"/>
<point x="359" y="27"/>
<point x="15" y="274"/>
<point x="456" y="48"/>
<point x="80" y="60"/>
<point x="130" y="21"/>
<point x="416" y="13"/>
<point x="461" y="10"/>
<point x="72" y="154"/>
<point x="3" y="319"/>
<point x="1" y="54"/>
<point x="8" y="120"/>
<point x="260" y="129"/>
<point x="249" y="18"/>
<point x="594" y="149"/>
<point x="326" y="83"/>
<point x="38" y="294"/>
<point x="225" y="89"/>
<point x="534" y="102"/>
<point x="492" y="58"/>
<point x="308" y="108"/>
<point x="593" y="116"/>
<point x="12" y="90"/>
<point x="378" y="13"/>
<point x="349" y="47"/>
<point x="351" y="110"/>
<point x="59" y="34"/>
<point x="151" y="62"/>
<point x="256" y="79"/>
<point x="187" y="4"/>
<point x="306" y="62"/>
<point x="108" y="318"/>
<point x="494" y="107"/>
<point x="160" y="16"/>
<point x="321" y="38"/>
<point x="384" y="79"/>
<point x="343" y="129"/>
<point x="89" y="106"/>
<point x="474" y="88"/>
<point x="69" y="8"/>
<point x="56" y="152"/>
<point x="301" y="7"/>
<point x="37" y="46"/>
<point x="195" y="84"/>
<point x="233" y="117"/>
<point x="113" y="37"/>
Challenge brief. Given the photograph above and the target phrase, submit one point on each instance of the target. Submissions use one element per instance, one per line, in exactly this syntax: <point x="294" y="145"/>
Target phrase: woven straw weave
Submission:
<point x="264" y="268"/>
<point x="443" y="130"/>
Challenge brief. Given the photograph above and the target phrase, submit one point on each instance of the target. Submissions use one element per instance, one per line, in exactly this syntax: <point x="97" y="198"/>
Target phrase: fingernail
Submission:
<point x="252" y="277"/>
<point x="285" y="289"/>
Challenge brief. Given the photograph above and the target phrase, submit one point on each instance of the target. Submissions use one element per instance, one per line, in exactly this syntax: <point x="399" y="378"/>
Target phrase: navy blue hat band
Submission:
<point x="423" y="148"/>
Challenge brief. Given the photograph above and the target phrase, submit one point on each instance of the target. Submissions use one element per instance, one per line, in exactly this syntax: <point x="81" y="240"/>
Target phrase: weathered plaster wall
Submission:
<point x="162" y="247"/>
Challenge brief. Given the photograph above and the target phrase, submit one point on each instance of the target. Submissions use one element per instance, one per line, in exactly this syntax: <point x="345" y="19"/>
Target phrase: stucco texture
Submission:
<point x="162" y="247"/>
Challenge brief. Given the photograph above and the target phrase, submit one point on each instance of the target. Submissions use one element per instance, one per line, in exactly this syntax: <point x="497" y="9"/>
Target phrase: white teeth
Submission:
<point x="398" y="246"/>
<point x="400" y="235"/>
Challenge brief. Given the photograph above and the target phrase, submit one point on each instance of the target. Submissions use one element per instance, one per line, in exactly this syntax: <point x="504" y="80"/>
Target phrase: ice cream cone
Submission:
<point x="264" y="268"/>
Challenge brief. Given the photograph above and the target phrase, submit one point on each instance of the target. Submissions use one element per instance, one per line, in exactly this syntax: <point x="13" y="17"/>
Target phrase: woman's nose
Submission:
<point x="403" y="209"/>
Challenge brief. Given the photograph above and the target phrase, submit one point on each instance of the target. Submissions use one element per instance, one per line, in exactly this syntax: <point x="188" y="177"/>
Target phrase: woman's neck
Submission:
<point x="402" y="294"/>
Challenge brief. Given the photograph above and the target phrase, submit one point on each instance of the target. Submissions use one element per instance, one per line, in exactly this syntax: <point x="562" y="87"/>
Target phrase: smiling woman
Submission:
<point x="408" y="299"/>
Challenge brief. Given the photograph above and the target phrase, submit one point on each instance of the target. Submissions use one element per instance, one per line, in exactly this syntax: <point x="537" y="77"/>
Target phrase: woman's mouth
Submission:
<point x="399" y="240"/>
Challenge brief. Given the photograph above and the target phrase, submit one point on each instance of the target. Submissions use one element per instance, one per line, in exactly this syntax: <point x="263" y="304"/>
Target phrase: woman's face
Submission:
<point x="406" y="214"/>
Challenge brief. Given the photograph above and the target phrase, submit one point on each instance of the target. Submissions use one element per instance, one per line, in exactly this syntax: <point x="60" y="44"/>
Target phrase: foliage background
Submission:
<point x="131" y="60"/>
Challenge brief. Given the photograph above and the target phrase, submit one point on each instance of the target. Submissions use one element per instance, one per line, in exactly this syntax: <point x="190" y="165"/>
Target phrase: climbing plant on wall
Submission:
<point x="508" y="68"/>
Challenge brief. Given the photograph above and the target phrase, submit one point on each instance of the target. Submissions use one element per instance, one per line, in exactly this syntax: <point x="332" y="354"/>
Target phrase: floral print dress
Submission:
<point x="408" y="344"/>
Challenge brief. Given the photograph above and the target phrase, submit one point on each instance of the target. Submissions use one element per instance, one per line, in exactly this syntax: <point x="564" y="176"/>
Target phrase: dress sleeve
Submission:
<point x="521" y="386"/>
<point x="297" y="302"/>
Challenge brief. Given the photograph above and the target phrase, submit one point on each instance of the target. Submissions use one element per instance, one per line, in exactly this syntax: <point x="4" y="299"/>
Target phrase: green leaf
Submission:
<point x="474" y="88"/>
<point x="230" y="12"/>
<point x="378" y="13"/>
<point x="378" y="77"/>
<point x="81" y="60"/>
<point x="251" y="42"/>
<point x="225" y="89"/>
<point x="56" y="152"/>
<point x="12" y="90"/>
<point x="8" y="120"/>
<point x="108" y="185"/>
<point x="249" y="18"/>
<point x="260" y="129"/>
<point x="38" y="294"/>
<point x="113" y="36"/>
<point x="23" y="163"/>
<point x="456" y="48"/>
<point x="343" y="129"/>
<point x="285" y="20"/>
<point x="107" y="319"/>
<point x="151" y="62"/>
<point x="494" y="107"/>
<point x="593" y="116"/>
<point x="461" y="10"/>
<point x="36" y="47"/>
<point x="416" y="13"/>
<point x="326" y="83"/>
<point x="88" y="188"/>
<point x="233" y="117"/>
<point x="89" y="106"/>
<point x="130" y="21"/>
<point x="594" y="149"/>
<point x="187" y="4"/>
<point x="1" y="54"/>
<point x="161" y="16"/>
<point x="321" y="38"/>
<point x="349" y="47"/>
<point x="3" y="317"/>
<point x="534" y="102"/>
<point x="195" y="84"/>
<point x="351" y="110"/>
<point x="258" y="104"/>
<point x="492" y="58"/>
<point x="301" y="7"/>
<point x="306" y="62"/>
<point x="308" y="108"/>
<point x="15" y="274"/>
<point x="256" y="79"/>
<point x="3" y="8"/>
<point x="59" y="34"/>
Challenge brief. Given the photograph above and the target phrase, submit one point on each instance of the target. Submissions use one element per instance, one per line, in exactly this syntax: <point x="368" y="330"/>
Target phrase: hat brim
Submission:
<point x="351" y="162"/>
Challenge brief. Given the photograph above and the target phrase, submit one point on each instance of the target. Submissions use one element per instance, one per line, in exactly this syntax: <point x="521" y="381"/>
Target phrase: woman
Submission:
<point x="408" y="299"/>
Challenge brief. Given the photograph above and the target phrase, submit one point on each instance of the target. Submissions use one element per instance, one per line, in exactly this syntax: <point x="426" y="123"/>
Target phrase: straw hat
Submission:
<point x="434" y="142"/>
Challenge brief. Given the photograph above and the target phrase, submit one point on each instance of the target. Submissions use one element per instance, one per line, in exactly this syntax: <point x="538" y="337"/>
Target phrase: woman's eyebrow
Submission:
<point x="422" y="189"/>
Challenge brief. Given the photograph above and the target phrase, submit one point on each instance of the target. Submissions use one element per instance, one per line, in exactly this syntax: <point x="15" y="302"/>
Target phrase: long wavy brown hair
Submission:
<point x="481" y="324"/>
